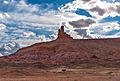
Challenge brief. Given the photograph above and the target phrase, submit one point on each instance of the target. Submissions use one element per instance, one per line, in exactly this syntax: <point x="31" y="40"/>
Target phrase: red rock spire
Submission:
<point x="62" y="35"/>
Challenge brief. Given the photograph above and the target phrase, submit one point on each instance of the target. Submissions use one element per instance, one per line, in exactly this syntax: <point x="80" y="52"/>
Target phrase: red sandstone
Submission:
<point x="68" y="52"/>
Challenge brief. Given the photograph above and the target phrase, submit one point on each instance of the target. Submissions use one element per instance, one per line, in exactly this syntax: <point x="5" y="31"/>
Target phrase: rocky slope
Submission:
<point x="65" y="51"/>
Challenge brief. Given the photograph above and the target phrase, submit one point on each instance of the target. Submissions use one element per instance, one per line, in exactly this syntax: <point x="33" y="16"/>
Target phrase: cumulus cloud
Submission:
<point x="5" y="2"/>
<point x="83" y="33"/>
<point x="29" y="34"/>
<point x="94" y="7"/>
<point x="92" y="26"/>
<point x="8" y="48"/>
<point x="1" y="16"/>
<point x="4" y="15"/>
<point x="81" y="23"/>
<point x="30" y="19"/>
<point x="103" y="30"/>
<point x="2" y="26"/>
<point x="118" y="9"/>
<point x="1" y="55"/>
<point x="23" y="7"/>
<point x="34" y="15"/>
<point x="22" y="17"/>
<point x="74" y="34"/>
<point x="43" y="38"/>
<point x="99" y="10"/>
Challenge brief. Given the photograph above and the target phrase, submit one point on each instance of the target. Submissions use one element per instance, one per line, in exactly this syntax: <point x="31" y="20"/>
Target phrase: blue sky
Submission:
<point x="29" y="21"/>
<point x="56" y="3"/>
<point x="111" y="19"/>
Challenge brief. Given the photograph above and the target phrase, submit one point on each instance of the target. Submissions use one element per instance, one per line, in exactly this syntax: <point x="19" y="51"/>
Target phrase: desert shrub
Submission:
<point x="63" y="70"/>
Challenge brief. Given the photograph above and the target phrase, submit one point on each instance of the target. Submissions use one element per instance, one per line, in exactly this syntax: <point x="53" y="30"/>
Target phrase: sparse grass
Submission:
<point x="56" y="74"/>
<point x="100" y="70"/>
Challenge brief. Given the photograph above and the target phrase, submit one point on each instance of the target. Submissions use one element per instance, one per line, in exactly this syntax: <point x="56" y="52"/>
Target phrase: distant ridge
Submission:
<point x="65" y="51"/>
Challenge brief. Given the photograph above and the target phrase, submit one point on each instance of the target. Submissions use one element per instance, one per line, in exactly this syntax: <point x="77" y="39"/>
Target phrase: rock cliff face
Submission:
<point x="65" y="51"/>
<point x="62" y="35"/>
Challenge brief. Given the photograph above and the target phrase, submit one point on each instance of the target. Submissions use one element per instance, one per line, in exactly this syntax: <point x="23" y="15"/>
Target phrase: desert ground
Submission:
<point x="59" y="74"/>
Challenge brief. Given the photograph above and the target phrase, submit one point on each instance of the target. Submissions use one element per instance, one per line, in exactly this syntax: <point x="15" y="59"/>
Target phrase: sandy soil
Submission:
<point x="15" y="74"/>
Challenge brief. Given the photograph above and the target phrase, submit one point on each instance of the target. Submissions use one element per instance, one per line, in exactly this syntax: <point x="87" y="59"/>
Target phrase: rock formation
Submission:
<point x="62" y="35"/>
<point x="68" y="52"/>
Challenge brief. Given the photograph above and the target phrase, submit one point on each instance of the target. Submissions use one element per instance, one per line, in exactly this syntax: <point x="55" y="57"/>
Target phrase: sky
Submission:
<point x="26" y="22"/>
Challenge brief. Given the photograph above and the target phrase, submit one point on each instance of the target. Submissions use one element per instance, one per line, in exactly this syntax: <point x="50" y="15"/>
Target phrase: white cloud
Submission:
<point x="5" y="2"/>
<point x="1" y="55"/>
<point x="44" y="20"/>
<point x="106" y="26"/>
<point x="109" y="9"/>
<point x="26" y="18"/>
<point x="23" y="7"/>
<point x="8" y="48"/>
<point x="29" y="34"/>
<point x="42" y="38"/>
<point x="4" y="15"/>
<point x="101" y="29"/>
<point x="75" y="35"/>
<point x="26" y="42"/>
<point x="2" y="26"/>
<point x="1" y="16"/>
<point x="99" y="9"/>
<point x="33" y="15"/>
